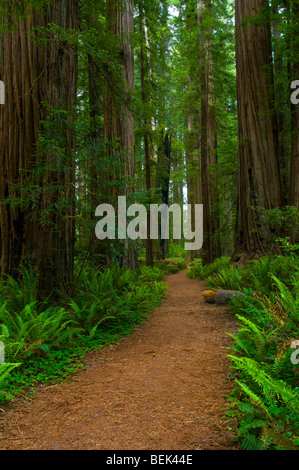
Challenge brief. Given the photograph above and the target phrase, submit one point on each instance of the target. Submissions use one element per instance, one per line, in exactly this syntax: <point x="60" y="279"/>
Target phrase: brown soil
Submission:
<point x="161" y="388"/>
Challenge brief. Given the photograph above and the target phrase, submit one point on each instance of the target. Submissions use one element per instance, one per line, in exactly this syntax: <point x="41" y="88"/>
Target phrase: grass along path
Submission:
<point x="161" y="388"/>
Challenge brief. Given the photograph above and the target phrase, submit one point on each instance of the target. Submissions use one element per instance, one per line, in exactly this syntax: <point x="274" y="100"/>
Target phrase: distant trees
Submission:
<point x="159" y="101"/>
<point x="208" y="97"/>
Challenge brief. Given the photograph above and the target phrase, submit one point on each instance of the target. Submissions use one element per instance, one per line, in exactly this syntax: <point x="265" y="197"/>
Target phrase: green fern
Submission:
<point x="90" y="316"/>
<point x="5" y="370"/>
<point x="256" y="399"/>
<point x="272" y="389"/>
<point x="29" y="331"/>
<point x="251" y="442"/>
<point x="288" y="301"/>
<point x="227" y="278"/>
<point x="252" y="339"/>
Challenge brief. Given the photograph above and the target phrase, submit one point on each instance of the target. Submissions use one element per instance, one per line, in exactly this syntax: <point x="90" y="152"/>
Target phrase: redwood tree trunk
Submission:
<point x="118" y="112"/>
<point x="40" y="229"/>
<point x="22" y="63"/>
<point x="192" y="140"/>
<point x="162" y="184"/>
<point x="57" y="238"/>
<point x="259" y="182"/>
<point x="207" y="248"/>
<point x="144" y="65"/>
<point x="294" y="169"/>
<point x="96" y="182"/>
<point x="212" y="147"/>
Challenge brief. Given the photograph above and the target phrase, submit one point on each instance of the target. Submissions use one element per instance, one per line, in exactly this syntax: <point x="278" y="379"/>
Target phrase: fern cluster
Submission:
<point x="258" y="275"/>
<point x="115" y="294"/>
<point x="200" y="271"/>
<point x="104" y="300"/>
<point x="265" y="403"/>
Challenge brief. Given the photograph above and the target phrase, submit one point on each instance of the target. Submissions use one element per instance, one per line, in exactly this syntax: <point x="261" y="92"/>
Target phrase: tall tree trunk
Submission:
<point x="281" y="109"/>
<point x="57" y="237"/>
<point x="207" y="248"/>
<point x="192" y="139"/>
<point x="95" y="182"/>
<point x="258" y="171"/>
<point x="118" y="111"/>
<point x="39" y="78"/>
<point x="212" y="148"/>
<point x="192" y="150"/>
<point x="162" y="182"/>
<point x="144" y="65"/>
<point x="21" y="64"/>
<point x="294" y="169"/>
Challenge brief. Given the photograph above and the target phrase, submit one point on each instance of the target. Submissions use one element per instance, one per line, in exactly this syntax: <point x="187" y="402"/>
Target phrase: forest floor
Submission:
<point x="161" y="388"/>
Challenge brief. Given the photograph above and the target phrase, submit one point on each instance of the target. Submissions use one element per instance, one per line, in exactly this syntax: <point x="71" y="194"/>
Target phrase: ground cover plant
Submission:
<point x="46" y="343"/>
<point x="265" y="401"/>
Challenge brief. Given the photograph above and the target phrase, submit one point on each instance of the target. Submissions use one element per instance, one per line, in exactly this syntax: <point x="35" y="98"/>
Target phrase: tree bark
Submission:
<point x="212" y="148"/>
<point x="162" y="182"/>
<point x="207" y="248"/>
<point x="294" y="168"/>
<point x="38" y="78"/>
<point x="57" y="237"/>
<point x="20" y="117"/>
<point x="119" y="132"/>
<point x="259" y="183"/>
<point x="281" y="108"/>
<point x="95" y="186"/>
<point x="144" y="65"/>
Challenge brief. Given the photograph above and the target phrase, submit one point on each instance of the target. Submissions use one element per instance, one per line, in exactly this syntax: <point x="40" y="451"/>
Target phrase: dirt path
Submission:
<point x="159" y="389"/>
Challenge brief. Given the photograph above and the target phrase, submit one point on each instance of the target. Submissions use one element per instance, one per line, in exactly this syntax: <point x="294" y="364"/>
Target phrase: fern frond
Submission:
<point x="250" y="442"/>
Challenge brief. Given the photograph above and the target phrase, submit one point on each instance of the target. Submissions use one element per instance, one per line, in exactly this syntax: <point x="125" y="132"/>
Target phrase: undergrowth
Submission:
<point x="45" y="342"/>
<point x="264" y="405"/>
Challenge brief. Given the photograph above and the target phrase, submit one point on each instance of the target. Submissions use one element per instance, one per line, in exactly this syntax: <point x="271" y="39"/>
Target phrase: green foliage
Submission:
<point x="29" y="332"/>
<point x="287" y="219"/>
<point x="114" y="293"/>
<point x="177" y="251"/>
<point x="5" y="370"/>
<point x="20" y="291"/>
<point x="271" y="419"/>
<point x="288" y="248"/>
<point x="252" y="339"/>
<point x="289" y="300"/>
<point x="258" y="275"/>
<point x="228" y="278"/>
<point x="262" y="271"/>
<point x="198" y="271"/>
<point x="181" y="263"/>
<point x="49" y="343"/>
<point x="265" y="402"/>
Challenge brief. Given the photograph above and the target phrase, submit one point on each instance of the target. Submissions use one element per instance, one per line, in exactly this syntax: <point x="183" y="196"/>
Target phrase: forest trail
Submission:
<point x="161" y="388"/>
